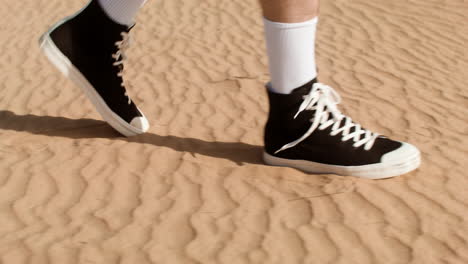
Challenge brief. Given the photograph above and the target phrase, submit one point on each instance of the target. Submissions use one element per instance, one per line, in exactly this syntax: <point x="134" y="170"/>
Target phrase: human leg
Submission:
<point x="290" y="27"/>
<point x="290" y="11"/>
<point x="122" y="11"/>
<point x="305" y="129"/>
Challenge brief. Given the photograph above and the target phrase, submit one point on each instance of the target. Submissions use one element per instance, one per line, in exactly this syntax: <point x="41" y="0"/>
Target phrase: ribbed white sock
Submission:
<point x="291" y="54"/>
<point x="122" y="11"/>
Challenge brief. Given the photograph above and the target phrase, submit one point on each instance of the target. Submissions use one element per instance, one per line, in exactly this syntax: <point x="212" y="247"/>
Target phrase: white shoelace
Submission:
<point x="324" y="100"/>
<point x="119" y="57"/>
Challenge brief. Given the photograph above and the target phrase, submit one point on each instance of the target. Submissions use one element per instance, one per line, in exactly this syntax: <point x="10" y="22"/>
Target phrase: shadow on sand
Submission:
<point x="91" y="128"/>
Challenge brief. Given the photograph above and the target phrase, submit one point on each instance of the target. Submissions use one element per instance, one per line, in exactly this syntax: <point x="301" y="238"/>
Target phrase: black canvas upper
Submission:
<point x="88" y="40"/>
<point x="320" y="146"/>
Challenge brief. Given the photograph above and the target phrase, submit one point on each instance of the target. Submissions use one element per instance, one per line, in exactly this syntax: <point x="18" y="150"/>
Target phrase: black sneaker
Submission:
<point x="89" y="48"/>
<point x="305" y="130"/>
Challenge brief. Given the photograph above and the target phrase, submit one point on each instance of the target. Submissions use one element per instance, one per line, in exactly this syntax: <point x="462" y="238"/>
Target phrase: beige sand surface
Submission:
<point x="194" y="189"/>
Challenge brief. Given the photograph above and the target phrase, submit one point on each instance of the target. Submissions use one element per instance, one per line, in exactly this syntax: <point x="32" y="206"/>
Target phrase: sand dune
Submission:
<point x="194" y="189"/>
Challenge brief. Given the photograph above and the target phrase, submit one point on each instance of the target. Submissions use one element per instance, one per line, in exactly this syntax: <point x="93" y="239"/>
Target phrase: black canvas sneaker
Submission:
<point x="305" y="130"/>
<point x="89" y="48"/>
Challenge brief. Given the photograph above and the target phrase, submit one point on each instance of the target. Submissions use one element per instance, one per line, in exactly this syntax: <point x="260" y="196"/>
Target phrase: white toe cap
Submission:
<point x="141" y="123"/>
<point x="401" y="154"/>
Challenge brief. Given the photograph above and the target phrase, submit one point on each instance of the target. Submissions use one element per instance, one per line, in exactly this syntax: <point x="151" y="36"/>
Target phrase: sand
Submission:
<point x="194" y="189"/>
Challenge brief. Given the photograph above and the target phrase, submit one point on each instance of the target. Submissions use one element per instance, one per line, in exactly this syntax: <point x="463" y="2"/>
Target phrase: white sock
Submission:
<point x="122" y="11"/>
<point x="291" y="54"/>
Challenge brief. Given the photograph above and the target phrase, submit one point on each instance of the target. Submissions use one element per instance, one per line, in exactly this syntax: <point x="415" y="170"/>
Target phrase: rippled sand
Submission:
<point x="194" y="189"/>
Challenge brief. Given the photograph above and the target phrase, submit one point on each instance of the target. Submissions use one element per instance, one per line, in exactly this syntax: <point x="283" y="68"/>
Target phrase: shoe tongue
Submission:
<point x="304" y="89"/>
<point x="283" y="107"/>
<point x="296" y="97"/>
<point x="292" y="101"/>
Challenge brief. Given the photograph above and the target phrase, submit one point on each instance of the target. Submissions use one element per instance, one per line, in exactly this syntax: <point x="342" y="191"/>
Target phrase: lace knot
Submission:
<point x="324" y="100"/>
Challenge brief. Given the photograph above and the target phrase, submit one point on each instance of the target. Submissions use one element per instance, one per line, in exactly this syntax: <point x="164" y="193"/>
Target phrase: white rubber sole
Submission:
<point x="372" y="171"/>
<point x="63" y="64"/>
